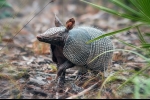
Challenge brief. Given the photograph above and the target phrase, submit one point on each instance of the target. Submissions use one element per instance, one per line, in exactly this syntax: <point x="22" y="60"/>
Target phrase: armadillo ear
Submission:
<point x="58" y="23"/>
<point x="70" y="23"/>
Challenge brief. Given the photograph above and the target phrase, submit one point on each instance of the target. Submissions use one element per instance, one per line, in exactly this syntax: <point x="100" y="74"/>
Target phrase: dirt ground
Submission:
<point x="26" y="67"/>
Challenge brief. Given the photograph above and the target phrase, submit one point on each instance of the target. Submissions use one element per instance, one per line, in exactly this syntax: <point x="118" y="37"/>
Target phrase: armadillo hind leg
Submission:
<point x="81" y="71"/>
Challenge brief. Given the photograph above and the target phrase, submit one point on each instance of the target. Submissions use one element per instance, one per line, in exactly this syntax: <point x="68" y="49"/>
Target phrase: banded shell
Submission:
<point x="80" y="53"/>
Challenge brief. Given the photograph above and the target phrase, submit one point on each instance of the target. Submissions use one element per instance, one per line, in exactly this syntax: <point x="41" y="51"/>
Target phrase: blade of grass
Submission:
<point x="102" y="8"/>
<point x="145" y="6"/>
<point x="146" y="59"/>
<point x="3" y="3"/>
<point x="136" y="88"/>
<point x="146" y="34"/>
<point x="139" y="72"/>
<point x="143" y="40"/>
<point x="124" y="15"/>
<point x="128" y="44"/>
<point x="112" y="33"/>
<point x="146" y="45"/>
<point x="106" y="80"/>
<point x="141" y="36"/>
<point x="125" y="7"/>
<point x="142" y="8"/>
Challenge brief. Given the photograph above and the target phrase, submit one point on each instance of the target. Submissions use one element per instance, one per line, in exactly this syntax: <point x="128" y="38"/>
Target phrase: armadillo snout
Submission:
<point x="42" y="38"/>
<point x="39" y="37"/>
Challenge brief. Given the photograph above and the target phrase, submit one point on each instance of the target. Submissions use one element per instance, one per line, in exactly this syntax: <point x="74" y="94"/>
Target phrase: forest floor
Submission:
<point x="26" y="67"/>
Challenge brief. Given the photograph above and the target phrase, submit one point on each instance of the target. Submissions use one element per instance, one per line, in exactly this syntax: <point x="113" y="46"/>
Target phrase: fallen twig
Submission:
<point x="84" y="91"/>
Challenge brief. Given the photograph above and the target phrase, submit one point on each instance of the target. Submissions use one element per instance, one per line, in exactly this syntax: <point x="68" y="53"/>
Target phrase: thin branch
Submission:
<point x="84" y="91"/>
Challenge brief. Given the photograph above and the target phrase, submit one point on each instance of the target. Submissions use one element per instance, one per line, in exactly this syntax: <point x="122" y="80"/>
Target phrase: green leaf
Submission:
<point x="147" y="34"/>
<point x="137" y="88"/>
<point x="102" y="8"/>
<point x="140" y="36"/>
<point x="128" y="16"/>
<point x="3" y="3"/>
<point x="143" y="6"/>
<point x="146" y="59"/>
<point x="132" y="77"/>
<point x="128" y="44"/>
<point x="125" y="7"/>
<point x="139" y="72"/>
<point x="112" y="33"/>
<point x="107" y="79"/>
<point x="146" y="45"/>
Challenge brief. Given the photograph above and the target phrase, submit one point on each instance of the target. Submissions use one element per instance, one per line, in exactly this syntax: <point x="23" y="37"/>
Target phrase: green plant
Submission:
<point x="141" y="87"/>
<point x="6" y="9"/>
<point x="139" y="12"/>
<point x="3" y="3"/>
<point x="142" y="16"/>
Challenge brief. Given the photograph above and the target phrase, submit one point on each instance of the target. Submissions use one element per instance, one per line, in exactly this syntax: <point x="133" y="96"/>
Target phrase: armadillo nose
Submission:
<point x="38" y="37"/>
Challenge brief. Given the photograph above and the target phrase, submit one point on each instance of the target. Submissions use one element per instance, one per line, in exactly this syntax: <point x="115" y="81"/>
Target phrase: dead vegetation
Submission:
<point x="26" y="68"/>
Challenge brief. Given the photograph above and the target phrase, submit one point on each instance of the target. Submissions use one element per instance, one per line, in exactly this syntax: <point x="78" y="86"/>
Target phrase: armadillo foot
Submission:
<point x="60" y="84"/>
<point x="80" y="75"/>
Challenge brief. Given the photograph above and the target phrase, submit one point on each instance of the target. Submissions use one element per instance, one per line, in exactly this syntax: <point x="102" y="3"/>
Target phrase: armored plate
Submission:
<point x="78" y="52"/>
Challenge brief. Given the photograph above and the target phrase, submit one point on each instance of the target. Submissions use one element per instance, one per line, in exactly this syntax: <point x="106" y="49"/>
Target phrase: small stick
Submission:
<point x="84" y="91"/>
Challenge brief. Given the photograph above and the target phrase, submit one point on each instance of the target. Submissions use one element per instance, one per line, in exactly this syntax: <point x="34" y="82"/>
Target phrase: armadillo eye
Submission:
<point x="60" y="34"/>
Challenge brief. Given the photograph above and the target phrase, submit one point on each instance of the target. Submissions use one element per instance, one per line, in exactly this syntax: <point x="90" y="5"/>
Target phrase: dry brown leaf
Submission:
<point x="49" y="78"/>
<point x="40" y="47"/>
<point x="118" y="56"/>
<point x="7" y="40"/>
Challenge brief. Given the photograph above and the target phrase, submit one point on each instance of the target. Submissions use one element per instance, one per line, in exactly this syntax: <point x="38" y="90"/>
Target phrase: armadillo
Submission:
<point x="69" y="47"/>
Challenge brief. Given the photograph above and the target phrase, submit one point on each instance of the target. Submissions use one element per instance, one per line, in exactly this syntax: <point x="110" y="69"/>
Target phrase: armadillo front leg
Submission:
<point x="62" y="70"/>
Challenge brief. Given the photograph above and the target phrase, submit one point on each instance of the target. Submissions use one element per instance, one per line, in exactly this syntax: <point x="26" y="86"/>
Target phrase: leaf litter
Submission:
<point x="26" y="67"/>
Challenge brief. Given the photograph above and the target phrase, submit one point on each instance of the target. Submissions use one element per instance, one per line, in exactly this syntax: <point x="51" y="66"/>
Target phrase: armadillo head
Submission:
<point x="53" y="35"/>
<point x="56" y="35"/>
